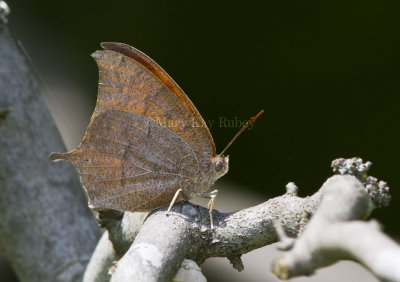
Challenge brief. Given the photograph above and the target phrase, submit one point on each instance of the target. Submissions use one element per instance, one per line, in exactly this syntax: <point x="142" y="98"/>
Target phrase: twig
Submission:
<point x="101" y="261"/>
<point x="333" y="234"/>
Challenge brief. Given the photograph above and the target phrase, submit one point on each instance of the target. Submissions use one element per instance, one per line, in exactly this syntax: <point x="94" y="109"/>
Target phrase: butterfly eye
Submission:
<point x="218" y="165"/>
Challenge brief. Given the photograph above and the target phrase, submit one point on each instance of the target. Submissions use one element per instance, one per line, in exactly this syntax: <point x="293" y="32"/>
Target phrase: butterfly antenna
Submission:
<point x="248" y="123"/>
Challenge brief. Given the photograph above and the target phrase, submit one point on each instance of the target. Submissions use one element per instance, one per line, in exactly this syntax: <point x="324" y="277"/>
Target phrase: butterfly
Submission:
<point x="147" y="145"/>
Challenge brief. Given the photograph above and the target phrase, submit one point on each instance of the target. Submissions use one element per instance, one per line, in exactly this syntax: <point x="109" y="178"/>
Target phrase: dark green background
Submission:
<point x="326" y="74"/>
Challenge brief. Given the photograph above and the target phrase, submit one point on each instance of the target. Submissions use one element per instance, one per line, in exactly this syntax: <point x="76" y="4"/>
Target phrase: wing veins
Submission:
<point x="135" y="90"/>
<point x="118" y="119"/>
<point x="123" y="194"/>
<point x="133" y="176"/>
<point x="118" y="178"/>
<point x="121" y="145"/>
<point x="119" y="157"/>
<point x="165" y="190"/>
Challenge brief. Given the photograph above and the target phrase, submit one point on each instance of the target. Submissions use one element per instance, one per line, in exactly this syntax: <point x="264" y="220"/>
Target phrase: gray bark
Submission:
<point x="47" y="232"/>
<point x="101" y="261"/>
<point x="334" y="234"/>
<point x="162" y="243"/>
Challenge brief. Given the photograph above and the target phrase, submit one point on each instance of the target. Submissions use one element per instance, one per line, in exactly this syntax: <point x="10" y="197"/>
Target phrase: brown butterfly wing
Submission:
<point x="145" y="140"/>
<point x="152" y="66"/>
<point x="129" y="162"/>
<point x="131" y="81"/>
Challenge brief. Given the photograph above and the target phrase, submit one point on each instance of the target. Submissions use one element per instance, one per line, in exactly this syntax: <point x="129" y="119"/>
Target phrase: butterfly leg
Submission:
<point x="173" y="200"/>
<point x="212" y="195"/>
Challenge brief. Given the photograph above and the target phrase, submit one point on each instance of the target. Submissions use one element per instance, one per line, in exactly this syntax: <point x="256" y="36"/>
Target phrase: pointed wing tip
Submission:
<point x="113" y="46"/>
<point x="55" y="157"/>
<point x="110" y="46"/>
<point x="106" y="45"/>
<point x="123" y="49"/>
<point x="97" y="54"/>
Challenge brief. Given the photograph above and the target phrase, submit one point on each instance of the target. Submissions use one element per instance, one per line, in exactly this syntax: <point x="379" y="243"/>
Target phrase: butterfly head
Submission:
<point x="220" y="162"/>
<point x="220" y="165"/>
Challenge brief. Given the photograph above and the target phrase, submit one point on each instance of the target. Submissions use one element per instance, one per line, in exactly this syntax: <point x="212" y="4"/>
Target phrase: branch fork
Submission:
<point x="154" y="246"/>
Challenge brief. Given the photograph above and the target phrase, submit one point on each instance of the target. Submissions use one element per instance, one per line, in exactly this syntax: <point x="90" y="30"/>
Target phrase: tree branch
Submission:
<point x="101" y="261"/>
<point x="362" y="242"/>
<point x="163" y="242"/>
<point x="333" y="234"/>
<point x="47" y="232"/>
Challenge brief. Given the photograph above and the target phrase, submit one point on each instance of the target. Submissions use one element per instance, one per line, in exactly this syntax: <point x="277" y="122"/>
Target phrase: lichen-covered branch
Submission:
<point x="163" y="242"/>
<point x="334" y="233"/>
<point x="360" y="241"/>
<point x="47" y="232"/>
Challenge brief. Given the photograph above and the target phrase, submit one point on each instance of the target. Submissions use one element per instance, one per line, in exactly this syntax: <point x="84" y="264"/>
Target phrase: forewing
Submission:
<point x="132" y="82"/>
<point x="131" y="163"/>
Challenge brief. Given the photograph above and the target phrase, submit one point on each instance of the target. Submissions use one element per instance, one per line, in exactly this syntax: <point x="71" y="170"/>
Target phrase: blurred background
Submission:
<point x="326" y="73"/>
